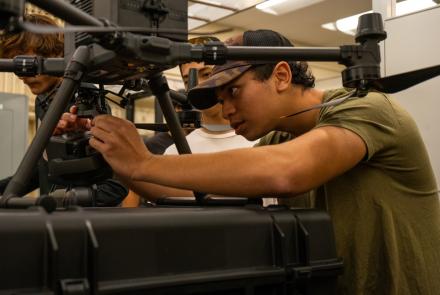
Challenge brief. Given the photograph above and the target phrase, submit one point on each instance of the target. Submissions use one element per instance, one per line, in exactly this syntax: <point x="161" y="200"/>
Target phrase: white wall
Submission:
<point x="13" y="131"/>
<point x="329" y="83"/>
<point x="414" y="42"/>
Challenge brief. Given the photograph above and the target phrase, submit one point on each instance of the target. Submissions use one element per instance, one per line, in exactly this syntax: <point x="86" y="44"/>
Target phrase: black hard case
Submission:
<point x="167" y="251"/>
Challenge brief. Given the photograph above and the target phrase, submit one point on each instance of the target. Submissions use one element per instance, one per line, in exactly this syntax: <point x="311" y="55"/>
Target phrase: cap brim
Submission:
<point x="203" y="96"/>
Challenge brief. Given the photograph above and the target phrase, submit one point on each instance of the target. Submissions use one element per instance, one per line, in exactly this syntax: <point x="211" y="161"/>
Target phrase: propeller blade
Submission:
<point x="151" y="126"/>
<point x="399" y="82"/>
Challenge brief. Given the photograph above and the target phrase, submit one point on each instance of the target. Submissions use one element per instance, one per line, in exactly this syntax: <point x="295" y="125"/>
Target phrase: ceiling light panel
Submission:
<point x="279" y="7"/>
<point x="207" y="12"/>
<point x="409" y="6"/>
<point x="239" y="5"/>
<point x="213" y="10"/>
<point x="195" y="23"/>
<point x="348" y="25"/>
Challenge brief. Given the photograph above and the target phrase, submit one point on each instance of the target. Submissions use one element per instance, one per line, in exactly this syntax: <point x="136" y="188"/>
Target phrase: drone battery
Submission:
<point x="162" y="14"/>
<point x="190" y="250"/>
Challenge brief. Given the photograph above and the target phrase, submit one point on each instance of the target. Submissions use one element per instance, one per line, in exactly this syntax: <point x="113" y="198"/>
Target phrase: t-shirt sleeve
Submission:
<point x="371" y="117"/>
<point x="265" y="140"/>
<point x="274" y="137"/>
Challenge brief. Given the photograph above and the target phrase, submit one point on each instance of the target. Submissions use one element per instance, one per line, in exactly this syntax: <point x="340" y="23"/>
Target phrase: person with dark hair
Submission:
<point x="364" y="157"/>
<point x="27" y="43"/>
<point x="107" y="193"/>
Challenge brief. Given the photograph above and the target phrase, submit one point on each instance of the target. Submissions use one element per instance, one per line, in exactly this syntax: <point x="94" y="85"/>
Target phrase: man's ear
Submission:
<point x="282" y="76"/>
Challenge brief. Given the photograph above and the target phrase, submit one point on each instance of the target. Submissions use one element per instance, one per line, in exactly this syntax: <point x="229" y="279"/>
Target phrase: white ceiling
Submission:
<point x="302" y="27"/>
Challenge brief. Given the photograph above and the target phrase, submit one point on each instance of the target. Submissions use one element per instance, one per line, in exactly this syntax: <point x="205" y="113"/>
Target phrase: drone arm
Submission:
<point x="27" y="65"/>
<point x="67" y="12"/>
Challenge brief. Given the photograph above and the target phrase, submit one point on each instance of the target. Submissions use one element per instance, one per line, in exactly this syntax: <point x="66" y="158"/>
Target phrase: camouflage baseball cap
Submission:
<point x="203" y="96"/>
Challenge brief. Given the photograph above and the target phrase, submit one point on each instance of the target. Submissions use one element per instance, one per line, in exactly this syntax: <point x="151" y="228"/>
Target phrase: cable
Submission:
<point x="326" y="104"/>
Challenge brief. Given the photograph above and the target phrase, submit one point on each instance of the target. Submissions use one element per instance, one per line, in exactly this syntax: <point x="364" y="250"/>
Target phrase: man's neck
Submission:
<point x="214" y="120"/>
<point x="304" y="122"/>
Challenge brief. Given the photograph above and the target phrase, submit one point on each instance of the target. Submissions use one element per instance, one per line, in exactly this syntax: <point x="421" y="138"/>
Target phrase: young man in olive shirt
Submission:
<point x="366" y="156"/>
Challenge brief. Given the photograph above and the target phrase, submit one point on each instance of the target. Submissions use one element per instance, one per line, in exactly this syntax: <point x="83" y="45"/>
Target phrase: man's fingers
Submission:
<point x="108" y="123"/>
<point x="57" y="131"/>
<point x="88" y="124"/>
<point x="83" y="123"/>
<point x="97" y="145"/>
<point x="62" y="124"/>
<point x="65" y="116"/>
<point x="101" y="134"/>
<point x="73" y="109"/>
<point x="68" y="117"/>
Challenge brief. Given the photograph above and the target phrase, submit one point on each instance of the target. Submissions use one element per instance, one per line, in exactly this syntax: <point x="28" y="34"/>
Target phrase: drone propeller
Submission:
<point x="399" y="82"/>
<point x="390" y="84"/>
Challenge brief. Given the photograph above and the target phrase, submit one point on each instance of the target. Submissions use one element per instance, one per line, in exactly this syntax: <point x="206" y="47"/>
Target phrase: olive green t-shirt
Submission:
<point x="385" y="210"/>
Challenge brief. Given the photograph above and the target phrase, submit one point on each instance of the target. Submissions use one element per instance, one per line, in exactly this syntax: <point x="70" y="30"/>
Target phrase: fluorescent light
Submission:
<point x="269" y="4"/>
<point x="349" y="24"/>
<point x="278" y="7"/>
<point x="207" y="12"/>
<point x="195" y="23"/>
<point x="409" y="6"/>
<point x="330" y="26"/>
<point x="204" y="12"/>
<point x="345" y="25"/>
<point x="242" y="4"/>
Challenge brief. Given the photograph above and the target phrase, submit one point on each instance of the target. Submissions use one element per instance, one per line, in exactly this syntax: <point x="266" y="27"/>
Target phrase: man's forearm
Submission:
<point x="248" y="168"/>
<point x="292" y="167"/>
<point x="152" y="192"/>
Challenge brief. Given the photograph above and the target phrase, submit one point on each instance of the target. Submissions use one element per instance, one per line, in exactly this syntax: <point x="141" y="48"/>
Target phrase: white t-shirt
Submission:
<point x="200" y="141"/>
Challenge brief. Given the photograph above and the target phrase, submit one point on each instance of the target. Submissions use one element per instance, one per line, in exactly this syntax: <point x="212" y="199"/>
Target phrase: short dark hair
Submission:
<point x="300" y="69"/>
<point x="47" y="45"/>
<point x="300" y="72"/>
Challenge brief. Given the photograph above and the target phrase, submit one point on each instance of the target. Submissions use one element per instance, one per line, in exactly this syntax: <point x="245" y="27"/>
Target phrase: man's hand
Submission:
<point x="70" y="122"/>
<point x="120" y="144"/>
